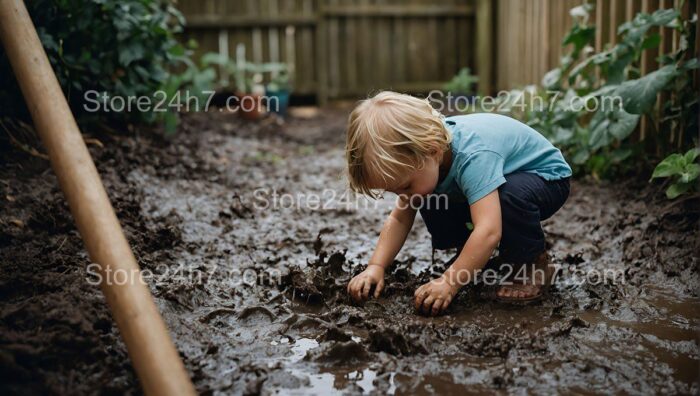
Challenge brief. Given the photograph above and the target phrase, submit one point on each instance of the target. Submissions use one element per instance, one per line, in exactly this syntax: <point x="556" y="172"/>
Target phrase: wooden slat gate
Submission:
<point x="346" y="48"/>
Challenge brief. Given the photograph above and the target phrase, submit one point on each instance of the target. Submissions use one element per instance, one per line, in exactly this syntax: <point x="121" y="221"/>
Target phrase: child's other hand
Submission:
<point x="434" y="296"/>
<point x="360" y="286"/>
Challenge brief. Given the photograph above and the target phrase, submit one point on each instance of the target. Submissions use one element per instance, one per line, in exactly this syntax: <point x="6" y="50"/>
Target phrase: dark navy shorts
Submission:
<point x="526" y="200"/>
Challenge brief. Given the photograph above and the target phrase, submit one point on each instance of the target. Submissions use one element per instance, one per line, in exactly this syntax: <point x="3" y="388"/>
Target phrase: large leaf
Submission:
<point x="640" y="94"/>
<point x="671" y="165"/>
<point x="607" y="126"/>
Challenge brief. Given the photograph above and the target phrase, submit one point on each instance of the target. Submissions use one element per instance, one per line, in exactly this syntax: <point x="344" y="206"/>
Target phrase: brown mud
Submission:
<point x="255" y="297"/>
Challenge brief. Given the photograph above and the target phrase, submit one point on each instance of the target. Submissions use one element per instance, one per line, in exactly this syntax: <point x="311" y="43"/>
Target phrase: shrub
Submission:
<point x="117" y="48"/>
<point x="598" y="143"/>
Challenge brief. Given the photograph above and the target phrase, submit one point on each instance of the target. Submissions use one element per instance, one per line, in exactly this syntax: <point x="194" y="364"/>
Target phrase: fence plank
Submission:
<point x="485" y="46"/>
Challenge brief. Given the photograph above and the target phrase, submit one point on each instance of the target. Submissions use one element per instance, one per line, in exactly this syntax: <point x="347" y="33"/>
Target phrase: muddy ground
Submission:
<point x="254" y="296"/>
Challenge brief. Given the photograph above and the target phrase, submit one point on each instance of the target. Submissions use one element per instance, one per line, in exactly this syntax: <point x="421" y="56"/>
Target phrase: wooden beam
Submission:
<point x="221" y="21"/>
<point x="403" y="10"/>
<point x="156" y="361"/>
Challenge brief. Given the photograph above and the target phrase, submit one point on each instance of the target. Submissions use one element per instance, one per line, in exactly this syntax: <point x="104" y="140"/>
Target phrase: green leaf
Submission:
<point x="581" y="156"/>
<point x="177" y="50"/>
<point x="691" y="64"/>
<point x="664" y="17"/>
<point x="607" y="126"/>
<point x="640" y="94"/>
<point x="671" y="165"/>
<point x="133" y="51"/>
<point x="691" y="155"/>
<point x="616" y="69"/>
<point x="579" y="68"/>
<point x="690" y="173"/>
<point x="602" y="91"/>
<point x="620" y="154"/>
<point x="551" y="78"/>
<point x="676" y="189"/>
<point x="579" y="36"/>
<point x="652" y="41"/>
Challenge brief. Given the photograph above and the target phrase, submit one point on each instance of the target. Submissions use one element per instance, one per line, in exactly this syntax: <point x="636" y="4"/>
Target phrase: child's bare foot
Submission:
<point x="529" y="283"/>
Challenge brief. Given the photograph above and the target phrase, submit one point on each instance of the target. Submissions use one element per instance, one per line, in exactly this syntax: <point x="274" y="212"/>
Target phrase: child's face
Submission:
<point x="417" y="182"/>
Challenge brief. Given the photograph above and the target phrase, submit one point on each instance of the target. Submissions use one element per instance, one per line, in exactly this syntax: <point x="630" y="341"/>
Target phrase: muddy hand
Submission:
<point x="434" y="296"/>
<point x="361" y="285"/>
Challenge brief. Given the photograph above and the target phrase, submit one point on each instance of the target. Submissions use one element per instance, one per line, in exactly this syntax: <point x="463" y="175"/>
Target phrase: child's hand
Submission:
<point x="359" y="287"/>
<point x="435" y="296"/>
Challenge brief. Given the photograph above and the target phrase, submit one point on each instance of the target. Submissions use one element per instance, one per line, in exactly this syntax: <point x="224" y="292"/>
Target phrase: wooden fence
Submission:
<point x="531" y="32"/>
<point x="349" y="48"/>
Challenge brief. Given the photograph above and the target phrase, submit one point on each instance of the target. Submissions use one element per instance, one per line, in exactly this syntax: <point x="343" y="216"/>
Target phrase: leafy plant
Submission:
<point x="198" y="83"/>
<point x="683" y="171"/>
<point x="592" y="102"/>
<point x="462" y="83"/>
<point x="247" y="76"/>
<point x="117" y="48"/>
<point x="280" y="81"/>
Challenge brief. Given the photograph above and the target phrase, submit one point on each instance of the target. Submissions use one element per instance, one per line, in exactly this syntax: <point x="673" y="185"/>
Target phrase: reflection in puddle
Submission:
<point x="328" y="383"/>
<point x="300" y="347"/>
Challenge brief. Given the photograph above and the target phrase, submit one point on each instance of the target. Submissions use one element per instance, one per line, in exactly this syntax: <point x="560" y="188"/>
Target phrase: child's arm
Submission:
<point x="433" y="297"/>
<point x="391" y="239"/>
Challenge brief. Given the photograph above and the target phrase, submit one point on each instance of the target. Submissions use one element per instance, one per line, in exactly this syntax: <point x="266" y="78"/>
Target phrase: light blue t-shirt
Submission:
<point x="487" y="146"/>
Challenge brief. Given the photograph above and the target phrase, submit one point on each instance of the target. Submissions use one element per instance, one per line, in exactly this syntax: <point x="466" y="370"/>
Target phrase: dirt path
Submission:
<point x="255" y="298"/>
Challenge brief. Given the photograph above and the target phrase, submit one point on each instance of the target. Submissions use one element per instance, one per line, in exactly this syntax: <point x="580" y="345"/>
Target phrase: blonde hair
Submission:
<point x="389" y="134"/>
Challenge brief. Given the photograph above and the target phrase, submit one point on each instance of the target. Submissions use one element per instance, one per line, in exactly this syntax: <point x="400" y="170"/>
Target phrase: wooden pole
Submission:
<point x="152" y="352"/>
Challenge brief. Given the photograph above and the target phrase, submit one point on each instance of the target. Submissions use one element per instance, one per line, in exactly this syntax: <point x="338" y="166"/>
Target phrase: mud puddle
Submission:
<point x="255" y="298"/>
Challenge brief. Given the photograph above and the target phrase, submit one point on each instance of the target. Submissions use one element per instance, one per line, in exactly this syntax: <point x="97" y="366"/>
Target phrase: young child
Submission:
<point x="498" y="173"/>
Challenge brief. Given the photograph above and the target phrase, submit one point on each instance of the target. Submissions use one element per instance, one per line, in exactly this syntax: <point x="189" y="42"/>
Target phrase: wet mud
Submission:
<point x="252" y="287"/>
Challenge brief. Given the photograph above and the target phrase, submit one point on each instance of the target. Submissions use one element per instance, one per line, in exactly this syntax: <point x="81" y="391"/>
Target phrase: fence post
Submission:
<point x="484" y="46"/>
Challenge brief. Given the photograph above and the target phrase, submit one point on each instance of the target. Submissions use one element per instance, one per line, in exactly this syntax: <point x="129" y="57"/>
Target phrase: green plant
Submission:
<point x="116" y="48"/>
<point x="462" y="83"/>
<point x="683" y="171"/>
<point x="245" y="75"/>
<point x="594" y="134"/>
<point x="280" y="81"/>
<point x="198" y="84"/>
